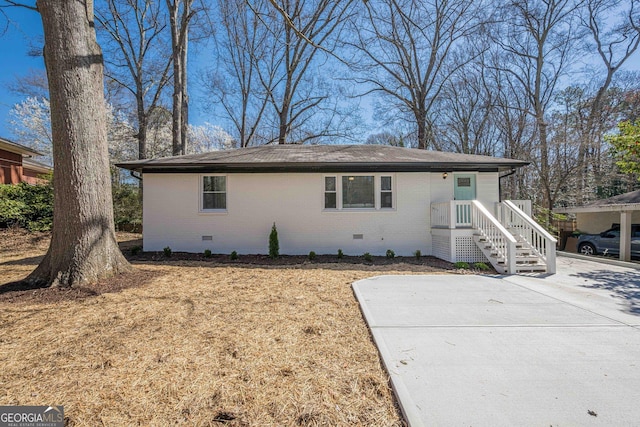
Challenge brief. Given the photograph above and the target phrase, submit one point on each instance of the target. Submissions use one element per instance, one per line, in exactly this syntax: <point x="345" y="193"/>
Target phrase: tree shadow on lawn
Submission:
<point x="625" y="286"/>
<point x="33" y="260"/>
<point x="21" y="291"/>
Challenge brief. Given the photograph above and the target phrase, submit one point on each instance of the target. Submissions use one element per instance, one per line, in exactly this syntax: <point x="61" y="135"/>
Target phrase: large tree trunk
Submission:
<point x="83" y="246"/>
<point x="184" y="116"/>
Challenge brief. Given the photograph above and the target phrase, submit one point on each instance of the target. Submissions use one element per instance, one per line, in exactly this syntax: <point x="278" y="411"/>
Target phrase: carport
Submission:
<point x="599" y="215"/>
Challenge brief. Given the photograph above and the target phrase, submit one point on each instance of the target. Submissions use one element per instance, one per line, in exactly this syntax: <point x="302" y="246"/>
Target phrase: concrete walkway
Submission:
<point x="561" y="350"/>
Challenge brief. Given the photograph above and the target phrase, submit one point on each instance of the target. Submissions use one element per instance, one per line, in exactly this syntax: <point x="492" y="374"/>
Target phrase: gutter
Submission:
<point x="513" y="170"/>
<point x="318" y="167"/>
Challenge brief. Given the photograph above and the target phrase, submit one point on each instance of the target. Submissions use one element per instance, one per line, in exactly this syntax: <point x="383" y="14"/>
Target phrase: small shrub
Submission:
<point x="340" y="254"/>
<point x="312" y="255"/>
<point x="417" y="254"/>
<point x="367" y="257"/>
<point x="481" y="266"/>
<point x="234" y="255"/>
<point x="135" y="250"/>
<point x="461" y="264"/>
<point x="207" y="253"/>
<point x="167" y="251"/>
<point x="274" y="246"/>
<point x="390" y="254"/>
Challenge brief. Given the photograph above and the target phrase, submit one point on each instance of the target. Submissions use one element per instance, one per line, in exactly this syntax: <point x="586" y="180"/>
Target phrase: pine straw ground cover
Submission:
<point x="195" y="343"/>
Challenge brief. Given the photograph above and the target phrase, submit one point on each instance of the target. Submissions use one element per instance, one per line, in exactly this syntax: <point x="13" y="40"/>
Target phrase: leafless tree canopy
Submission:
<point x="539" y="80"/>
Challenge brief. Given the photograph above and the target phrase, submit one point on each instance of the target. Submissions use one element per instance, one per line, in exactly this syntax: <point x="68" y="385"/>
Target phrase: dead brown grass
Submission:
<point x="199" y="344"/>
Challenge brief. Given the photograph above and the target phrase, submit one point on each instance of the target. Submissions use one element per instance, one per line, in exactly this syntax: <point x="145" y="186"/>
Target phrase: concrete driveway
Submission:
<point x="561" y="350"/>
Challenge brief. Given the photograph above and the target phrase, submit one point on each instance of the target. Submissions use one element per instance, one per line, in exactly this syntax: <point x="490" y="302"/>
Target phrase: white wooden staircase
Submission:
<point x="526" y="258"/>
<point x="514" y="243"/>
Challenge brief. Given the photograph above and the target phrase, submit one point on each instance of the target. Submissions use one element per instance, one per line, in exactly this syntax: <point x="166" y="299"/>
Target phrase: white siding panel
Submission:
<point x="488" y="191"/>
<point x="441" y="189"/>
<point x="294" y="203"/>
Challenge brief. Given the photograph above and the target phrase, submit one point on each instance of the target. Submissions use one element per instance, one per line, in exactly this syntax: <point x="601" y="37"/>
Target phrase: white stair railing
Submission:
<point x="495" y="235"/>
<point x="543" y="243"/>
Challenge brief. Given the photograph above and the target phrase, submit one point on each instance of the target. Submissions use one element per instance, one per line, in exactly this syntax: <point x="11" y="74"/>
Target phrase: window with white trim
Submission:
<point x="330" y="192"/>
<point x="214" y="193"/>
<point x="386" y="193"/>
<point x="358" y="192"/>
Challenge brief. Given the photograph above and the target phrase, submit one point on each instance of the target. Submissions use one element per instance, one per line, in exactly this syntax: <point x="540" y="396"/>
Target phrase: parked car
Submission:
<point x="608" y="242"/>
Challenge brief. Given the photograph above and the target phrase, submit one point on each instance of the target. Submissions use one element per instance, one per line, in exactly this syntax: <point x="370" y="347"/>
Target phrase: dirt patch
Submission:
<point x="20" y="292"/>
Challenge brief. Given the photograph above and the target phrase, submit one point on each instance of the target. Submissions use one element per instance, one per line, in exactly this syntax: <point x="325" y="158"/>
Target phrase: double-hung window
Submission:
<point x="330" y="192"/>
<point x="386" y="193"/>
<point x="214" y="193"/>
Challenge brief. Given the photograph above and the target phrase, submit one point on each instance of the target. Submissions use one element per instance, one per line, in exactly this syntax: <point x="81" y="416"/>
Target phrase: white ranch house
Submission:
<point x="358" y="198"/>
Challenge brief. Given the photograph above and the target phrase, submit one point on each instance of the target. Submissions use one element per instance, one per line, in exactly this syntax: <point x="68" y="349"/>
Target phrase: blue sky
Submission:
<point x="23" y="33"/>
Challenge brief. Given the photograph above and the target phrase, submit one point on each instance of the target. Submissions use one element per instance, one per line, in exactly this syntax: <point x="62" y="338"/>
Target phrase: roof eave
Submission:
<point x="322" y="167"/>
<point x="605" y="208"/>
<point x="18" y="148"/>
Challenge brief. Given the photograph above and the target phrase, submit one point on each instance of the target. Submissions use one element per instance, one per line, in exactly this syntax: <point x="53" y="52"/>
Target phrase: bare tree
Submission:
<point x="137" y="61"/>
<point x="32" y="85"/>
<point x="304" y="35"/>
<point x="538" y="41"/>
<point x="465" y="117"/>
<point x="615" y="42"/>
<point x="410" y="48"/>
<point x="83" y="247"/>
<point x="233" y="81"/>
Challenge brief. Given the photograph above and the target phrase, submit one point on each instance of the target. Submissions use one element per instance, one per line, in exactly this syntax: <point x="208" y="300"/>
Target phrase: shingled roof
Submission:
<point x="622" y="202"/>
<point x="323" y="158"/>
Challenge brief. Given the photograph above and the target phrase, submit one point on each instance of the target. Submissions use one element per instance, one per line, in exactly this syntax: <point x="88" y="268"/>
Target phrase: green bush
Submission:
<point x="367" y="257"/>
<point x="390" y="254"/>
<point x="274" y="246"/>
<point x="312" y="256"/>
<point x="234" y="255"/>
<point x="27" y="206"/>
<point x="340" y="254"/>
<point x="127" y="207"/>
<point x="481" y="266"/>
<point x="207" y="253"/>
<point x="417" y="254"/>
<point x="167" y="251"/>
<point x="461" y="264"/>
<point x="135" y="250"/>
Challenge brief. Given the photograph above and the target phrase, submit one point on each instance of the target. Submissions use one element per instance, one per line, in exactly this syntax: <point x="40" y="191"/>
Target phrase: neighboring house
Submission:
<point x="600" y="215"/>
<point x="17" y="165"/>
<point x="358" y="198"/>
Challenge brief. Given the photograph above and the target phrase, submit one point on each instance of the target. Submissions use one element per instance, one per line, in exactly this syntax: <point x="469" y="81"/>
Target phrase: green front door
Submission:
<point x="464" y="186"/>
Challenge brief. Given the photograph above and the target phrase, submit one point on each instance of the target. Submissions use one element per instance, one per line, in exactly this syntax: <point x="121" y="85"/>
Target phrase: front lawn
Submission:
<point x="195" y="342"/>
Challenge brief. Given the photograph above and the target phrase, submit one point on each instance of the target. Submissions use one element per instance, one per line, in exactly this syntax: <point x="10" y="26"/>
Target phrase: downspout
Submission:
<point x="513" y="170"/>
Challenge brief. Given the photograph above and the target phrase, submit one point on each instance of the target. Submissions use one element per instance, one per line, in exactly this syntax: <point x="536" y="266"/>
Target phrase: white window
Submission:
<point x="330" y="192"/>
<point x="358" y="192"/>
<point x="386" y="193"/>
<point x="214" y="192"/>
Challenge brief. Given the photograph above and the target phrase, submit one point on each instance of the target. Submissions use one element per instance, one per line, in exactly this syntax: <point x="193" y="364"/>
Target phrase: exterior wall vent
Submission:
<point x="358" y="236"/>
<point x="207" y="238"/>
